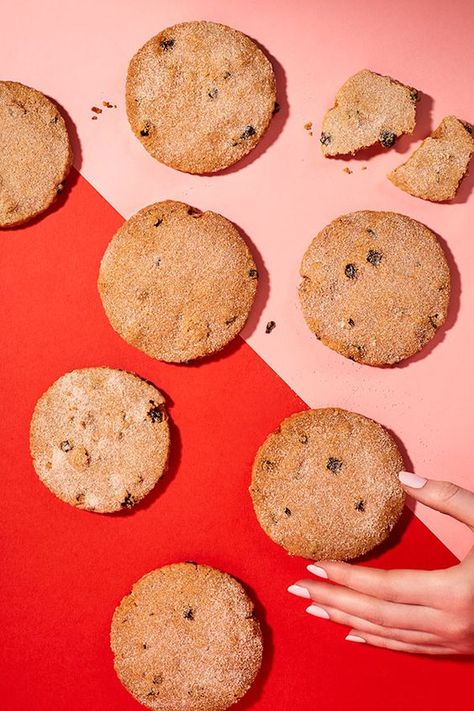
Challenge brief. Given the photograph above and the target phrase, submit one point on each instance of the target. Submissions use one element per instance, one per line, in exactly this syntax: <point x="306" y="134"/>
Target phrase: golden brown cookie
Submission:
<point x="375" y="286"/>
<point x="325" y="484"/>
<point x="200" y="96"/>
<point x="186" y="638"/>
<point x="35" y="153"/>
<point x="435" y="169"/>
<point x="99" y="438"/>
<point x="177" y="283"/>
<point x="369" y="108"/>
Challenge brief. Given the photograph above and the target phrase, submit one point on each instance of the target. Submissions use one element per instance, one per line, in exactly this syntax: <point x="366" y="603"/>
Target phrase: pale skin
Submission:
<point x="415" y="611"/>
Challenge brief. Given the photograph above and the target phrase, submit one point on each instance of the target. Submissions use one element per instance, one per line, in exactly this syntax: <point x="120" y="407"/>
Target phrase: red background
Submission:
<point x="65" y="570"/>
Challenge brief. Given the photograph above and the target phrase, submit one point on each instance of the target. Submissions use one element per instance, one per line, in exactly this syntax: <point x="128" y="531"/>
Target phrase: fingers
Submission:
<point x="356" y="635"/>
<point x="402" y="635"/>
<point x="379" y="612"/>
<point x="442" y="496"/>
<point x="412" y="586"/>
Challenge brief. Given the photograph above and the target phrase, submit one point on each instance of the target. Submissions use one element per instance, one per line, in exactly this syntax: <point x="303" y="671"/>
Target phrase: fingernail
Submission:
<point x="299" y="591"/>
<point x="413" y="480"/>
<point x="316" y="570"/>
<point x="317" y="612"/>
<point x="354" y="638"/>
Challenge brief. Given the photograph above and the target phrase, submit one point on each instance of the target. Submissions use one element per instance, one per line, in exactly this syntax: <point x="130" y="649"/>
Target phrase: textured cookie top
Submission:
<point x="186" y="638"/>
<point x="99" y="438"/>
<point x="177" y="283"/>
<point x="200" y="96"/>
<point x="35" y="153"/>
<point x="375" y="286"/>
<point x="369" y="108"/>
<point x="435" y="169"/>
<point x="325" y="484"/>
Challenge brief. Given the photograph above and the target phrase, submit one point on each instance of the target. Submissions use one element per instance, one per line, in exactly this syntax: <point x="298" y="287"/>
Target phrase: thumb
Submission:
<point x="442" y="496"/>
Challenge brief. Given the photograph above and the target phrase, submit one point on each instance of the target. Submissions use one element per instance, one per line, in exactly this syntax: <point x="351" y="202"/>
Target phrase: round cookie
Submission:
<point x="325" y="484"/>
<point x="375" y="286"/>
<point x="186" y="638"/>
<point x="177" y="283"/>
<point x="200" y="96"/>
<point x="35" y="153"/>
<point x="99" y="438"/>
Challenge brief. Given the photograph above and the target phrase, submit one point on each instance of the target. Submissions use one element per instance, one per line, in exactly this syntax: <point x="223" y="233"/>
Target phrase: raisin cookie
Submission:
<point x="325" y="484"/>
<point x="186" y="638"/>
<point x="177" y="283"/>
<point x="369" y="108"/>
<point x="35" y="153"/>
<point x="375" y="286"/>
<point x="435" y="169"/>
<point x="200" y="96"/>
<point x="99" y="438"/>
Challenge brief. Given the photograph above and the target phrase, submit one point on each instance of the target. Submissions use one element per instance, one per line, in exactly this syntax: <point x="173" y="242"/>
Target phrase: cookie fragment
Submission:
<point x="339" y="483"/>
<point x="369" y="109"/>
<point x="375" y="286"/>
<point x="186" y="637"/>
<point x="35" y="153"/>
<point x="93" y="442"/>
<point x="200" y="96"/>
<point x="177" y="283"/>
<point x="435" y="170"/>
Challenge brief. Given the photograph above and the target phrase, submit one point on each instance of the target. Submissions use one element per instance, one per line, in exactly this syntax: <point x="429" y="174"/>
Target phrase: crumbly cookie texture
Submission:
<point x="200" y="96"/>
<point x="99" y="438"/>
<point x="35" y="153"/>
<point x="186" y="638"/>
<point x="325" y="485"/>
<point x="369" y="109"/>
<point x="177" y="283"/>
<point x="375" y="286"/>
<point x="435" y="170"/>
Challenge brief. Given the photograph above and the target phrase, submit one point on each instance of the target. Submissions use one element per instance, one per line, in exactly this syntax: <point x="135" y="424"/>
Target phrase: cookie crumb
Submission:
<point x="270" y="326"/>
<point x="96" y="110"/>
<point x="108" y="105"/>
<point x="364" y="167"/>
<point x="94" y="118"/>
<point x="347" y="170"/>
<point x="308" y="127"/>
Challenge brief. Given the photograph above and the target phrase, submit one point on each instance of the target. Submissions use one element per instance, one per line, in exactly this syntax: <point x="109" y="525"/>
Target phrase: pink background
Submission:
<point x="285" y="192"/>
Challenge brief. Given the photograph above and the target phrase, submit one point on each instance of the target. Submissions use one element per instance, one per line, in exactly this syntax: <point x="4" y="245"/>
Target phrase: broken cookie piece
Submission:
<point x="435" y="170"/>
<point x="369" y="109"/>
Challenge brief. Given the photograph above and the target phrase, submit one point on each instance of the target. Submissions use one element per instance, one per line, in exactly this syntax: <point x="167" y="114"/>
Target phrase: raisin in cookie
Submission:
<point x="369" y="108"/>
<point x="99" y="438"/>
<point x="375" y="286"/>
<point x="186" y="638"/>
<point x="435" y="169"/>
<point x="35" y="153"/>
<point x="325" y="484"/>
<point x="200" y="96"/>
<point x="177" y="283"/>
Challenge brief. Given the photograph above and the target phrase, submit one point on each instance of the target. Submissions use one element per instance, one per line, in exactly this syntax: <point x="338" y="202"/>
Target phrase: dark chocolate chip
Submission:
<point x="414" y="95"/>
<point x="157" y="262"/>
<point x="189" y="614"/>
<point x="145" y="645"/>
<point x="167" y="44"/>
<point x="434" y="320"/>
<point x="374" y="257"/>
<point x="287" y="512"/>
<point x="351" y="322"/>
<point x="387" y="139"/>
<point x="360" y="506"/>
<point x="267" y="464"/>
<point x="128" y="501"/>
<point x="248" y="132"/>
<point x="270" y="326"/>
<point x="66" y="446"/>
<point x="467" y="126"/>
<point x="213" y="93"/>
<point x="152" y="694"/>
<point x="303" y="438"/>
<point x="194" y="212"/>
<point x="371" y="232"/>
<point x="155" y="413"/>
<point x="325" y="139"/>
<point x="158" y="679"/>
<point x="80" y="497"/>
<point x="158" y="222"/>
<point x="350" y="271"/>
<point x="145" y="130"/>
<point x="253" y="274"/>
<point x="276" y="108"/>
<point x="227" y="75"/>
<point x="191" y="562"/>
<point x="231" y="320"/>
<point x="334" y="465"/>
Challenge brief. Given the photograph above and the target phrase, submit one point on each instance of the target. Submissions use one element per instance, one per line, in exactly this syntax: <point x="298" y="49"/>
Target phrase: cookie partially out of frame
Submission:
<point x="177" y="283"/>
<point x="186" y="638"/>
<point x="200" y="96"/>
<point x="325" y="484"/>
<point x="375" y="286"/>
<point x="99" y="438"/>
<point x="369" y="108"/>
<point x="35" y="153"/>
<point x="435" y="170"/>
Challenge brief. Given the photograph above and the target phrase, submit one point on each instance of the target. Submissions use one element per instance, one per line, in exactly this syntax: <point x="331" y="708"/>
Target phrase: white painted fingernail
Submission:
<point x="316" y="570"/>
<point x="317" y="612"/>
<point x="413" y="480"/>
<point x="354" y="638"/>
<point x="299" y="591"/>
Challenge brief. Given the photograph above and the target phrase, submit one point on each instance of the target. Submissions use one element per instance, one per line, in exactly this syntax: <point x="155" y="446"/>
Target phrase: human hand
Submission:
<point x="417" y="611"/>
